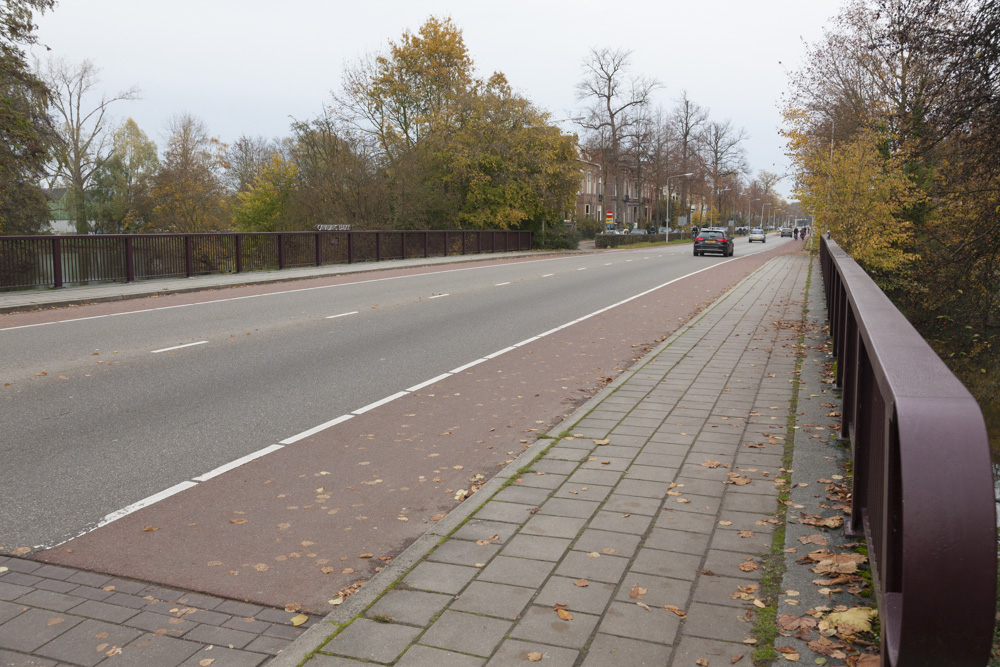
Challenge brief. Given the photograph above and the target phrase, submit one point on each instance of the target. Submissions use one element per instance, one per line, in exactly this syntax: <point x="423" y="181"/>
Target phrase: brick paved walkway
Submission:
<point x="52" y="615"/>
<point x="642" y="515"/>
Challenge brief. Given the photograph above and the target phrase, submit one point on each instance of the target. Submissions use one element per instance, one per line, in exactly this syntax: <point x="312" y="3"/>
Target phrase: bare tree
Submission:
<point x="723" y="155"/>
<point x="83" y="126"/>
<point x="614" y="99"/>
<point x="688" y="120"/>
<point x="246" y="159"/>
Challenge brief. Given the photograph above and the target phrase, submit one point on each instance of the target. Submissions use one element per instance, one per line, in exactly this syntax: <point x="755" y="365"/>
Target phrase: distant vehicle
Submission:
<point x="714" y="239"/>
<point x="638" y="231"/>
<point x="611" y="232"/>
<point x="786" y="231"/>
<point x="758" y="234"/>
<point x="661" y="230"/>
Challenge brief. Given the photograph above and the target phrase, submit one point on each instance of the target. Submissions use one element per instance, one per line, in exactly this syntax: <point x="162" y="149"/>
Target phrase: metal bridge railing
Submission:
<point x="923" y="483"/>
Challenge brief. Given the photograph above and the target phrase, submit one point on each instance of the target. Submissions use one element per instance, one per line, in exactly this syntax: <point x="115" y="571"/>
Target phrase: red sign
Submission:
<point x="610" y="215"/>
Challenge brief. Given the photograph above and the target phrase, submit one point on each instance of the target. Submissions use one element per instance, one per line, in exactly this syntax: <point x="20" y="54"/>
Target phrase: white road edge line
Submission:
<point x="467" y="366"/>
<point x="499" y="352"/>
<point x="316" y="429"/>
<point x="237" y="463"/>
<point x="177" y="347"/>
<point x="372" y="406"/>
<point x="427" y="383"/>
<point x="145" y="502"/>
<point x="353" y="312"/>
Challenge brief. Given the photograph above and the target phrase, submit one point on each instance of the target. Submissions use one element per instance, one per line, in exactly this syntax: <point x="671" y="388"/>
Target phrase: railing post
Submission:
<point x="463" y="242"/>
<point x="350" y="247"/>
<point x="129" y="260"/>
<point x="188" y="258"/>
<point x="319" y="249"/>
<point x="238" y="250"/>
<point x="378" y="246"/>
<point x="427" y="247"/>
<point x="281" y="250"/>
<point x="479" y="242"/>
<point x="403" y="244"/>
<point x="57" y="270"/>
<point x="446" y="243"/>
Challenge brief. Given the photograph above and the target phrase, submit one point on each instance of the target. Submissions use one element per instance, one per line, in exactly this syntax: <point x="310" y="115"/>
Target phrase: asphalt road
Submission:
<point x="101" y="409"/>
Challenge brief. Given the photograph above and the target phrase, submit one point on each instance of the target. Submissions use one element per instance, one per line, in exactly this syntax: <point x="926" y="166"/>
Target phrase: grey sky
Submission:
<point x="248" y="67"/>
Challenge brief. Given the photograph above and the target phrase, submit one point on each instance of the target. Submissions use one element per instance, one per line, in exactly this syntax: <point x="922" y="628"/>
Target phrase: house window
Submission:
<point x="586" y="209"/>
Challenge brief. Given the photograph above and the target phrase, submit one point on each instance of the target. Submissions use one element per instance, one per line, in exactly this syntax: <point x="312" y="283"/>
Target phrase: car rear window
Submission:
<point x="712" y="234"/>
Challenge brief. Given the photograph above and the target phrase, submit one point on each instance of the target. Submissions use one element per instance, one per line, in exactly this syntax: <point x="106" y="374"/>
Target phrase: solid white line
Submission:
<point x="372" y="406"/>
<point x="145" y="502"/>
<point x="427" y="383"/>
<point x="353" y="312"/>
<point x="467" y="366"/>
<point x="177" y="347"/>
<point x="499" y="352"/>
<point x="525" y="342"/>
<point x="237" y="463"/>
<point x="438" y="296"/>
<point x="316" y="429"/>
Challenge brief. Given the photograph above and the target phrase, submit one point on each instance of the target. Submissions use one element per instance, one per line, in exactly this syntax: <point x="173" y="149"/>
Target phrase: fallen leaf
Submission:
<point x="644" y="606"/>
<point x="328" y="570"/>
<point x="582" y="583"/>
<point x="298" y="619"/>
<point x="608" y="551"/>
<point x="438" y="517"/>
<point x="238" y="521"/>
<point x="113" y="652"/>
<point x="701" y="662"/>
<point x="54" y="621"/>
<point x="725" y="523"/>
<point x="749" y="565"/>
<point x="149" y="529"/>
<point x="564" y="615"/>
<point x="675" y="609"/>
<point x="637" y="592"/>
<point x="347" y="570"/>
<point x="736" y="658"/>
<point x="366" y="555"/>
<point x="745" y="533"/>
<point x="534" y="656"/>
<point x="594" y="554"/>
<point x="206" y="662"/>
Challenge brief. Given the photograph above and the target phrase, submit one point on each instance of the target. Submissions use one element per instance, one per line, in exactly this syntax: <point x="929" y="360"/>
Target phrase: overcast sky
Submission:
<point x="248" y="67"/>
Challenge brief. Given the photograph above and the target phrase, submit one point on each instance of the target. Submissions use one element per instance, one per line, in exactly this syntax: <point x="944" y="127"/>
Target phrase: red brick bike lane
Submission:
<point x="292" y="528"/>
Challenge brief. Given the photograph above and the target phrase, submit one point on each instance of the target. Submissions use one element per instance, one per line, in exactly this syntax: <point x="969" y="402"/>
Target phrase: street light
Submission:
<point x="690" y="173"/>
<point x="762" y="206"/>
<point x="749" y="214"/>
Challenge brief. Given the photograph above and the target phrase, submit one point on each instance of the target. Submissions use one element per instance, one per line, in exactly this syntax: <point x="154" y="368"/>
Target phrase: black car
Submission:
<point x="714" y="239"/>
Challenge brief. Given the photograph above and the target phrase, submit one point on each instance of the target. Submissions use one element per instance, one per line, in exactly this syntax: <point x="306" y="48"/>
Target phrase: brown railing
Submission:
<point x="56" y="261"/>
<point x="923" y="484"/>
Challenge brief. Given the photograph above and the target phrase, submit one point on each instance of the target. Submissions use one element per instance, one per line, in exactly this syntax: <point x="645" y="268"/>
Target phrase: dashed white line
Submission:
<point x="177" y="347"/>
<point x="501" y="284"/>
<point x="353" y="312"/>
<point x="438" y="296"/>
<point x="427" y="383"/>
<point x="548" y="275"/>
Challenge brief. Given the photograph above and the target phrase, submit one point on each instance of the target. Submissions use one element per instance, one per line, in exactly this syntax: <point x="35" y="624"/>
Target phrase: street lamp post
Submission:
<point x="750" y="213"/>
<point x="762" y="207"/>
<point x="690" y="173"/>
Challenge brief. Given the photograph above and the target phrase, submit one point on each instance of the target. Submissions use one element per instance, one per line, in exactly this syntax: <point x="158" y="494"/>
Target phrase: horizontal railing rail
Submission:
<point x="923" y="484"/>
<point x="56" y="261"/>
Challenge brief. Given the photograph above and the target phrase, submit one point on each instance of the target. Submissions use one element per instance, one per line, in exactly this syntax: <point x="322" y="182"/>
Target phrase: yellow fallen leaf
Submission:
<point x="238" y="521"/>
<point x="149" y="529"/>
<point x="675" y="609"/>
<point x="564" y="615"/>
<point x="366" y="555"/>
<point x="206" y="662"/>
<point x="637" y="592"/>
<point x="298" y="619"/>
<point x="534" y="656"/>
<point x="582" y="583"/>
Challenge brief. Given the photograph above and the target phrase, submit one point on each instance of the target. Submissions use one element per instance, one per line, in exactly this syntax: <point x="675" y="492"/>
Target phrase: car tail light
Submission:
<point x="699" y="239"/>
<point x="722" y="240"/>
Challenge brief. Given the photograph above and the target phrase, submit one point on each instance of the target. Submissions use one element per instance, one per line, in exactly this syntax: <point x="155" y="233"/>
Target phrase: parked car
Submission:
<point x="638" y="230"/>
<point x="758" y="234"/>
<point x="714" y="239"/>
<point x="786" y="231"/>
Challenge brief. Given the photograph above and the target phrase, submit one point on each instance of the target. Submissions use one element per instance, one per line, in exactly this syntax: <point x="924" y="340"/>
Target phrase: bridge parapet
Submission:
<point x="923" y="492"/>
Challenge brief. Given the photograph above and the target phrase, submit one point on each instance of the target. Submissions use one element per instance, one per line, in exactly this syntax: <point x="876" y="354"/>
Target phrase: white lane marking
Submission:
<point x="177" y="347"/>
<point x="427" y="383"/>
<point x="438" y="296"/>
<point x="525" y="342"/>
<point x="372" y="406"/>
<point x="353" y="312"/>
<point x="282" y="292"/>
<point x="548" y="275"/>
<point x="145" y="502"/>
<point x="237" y="463"/>
<point x="316" y="429"/>
<point x="582" y="268"/>
<point x="608" y="264"/>
<point x="501" y="284"/>
<point x="467" y="366"/>
<point x="499" y="352"/>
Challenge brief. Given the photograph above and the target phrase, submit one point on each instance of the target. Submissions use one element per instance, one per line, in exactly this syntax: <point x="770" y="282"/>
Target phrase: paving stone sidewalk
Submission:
<point x="51" y="615"/>
<point x="659" y="491"/>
